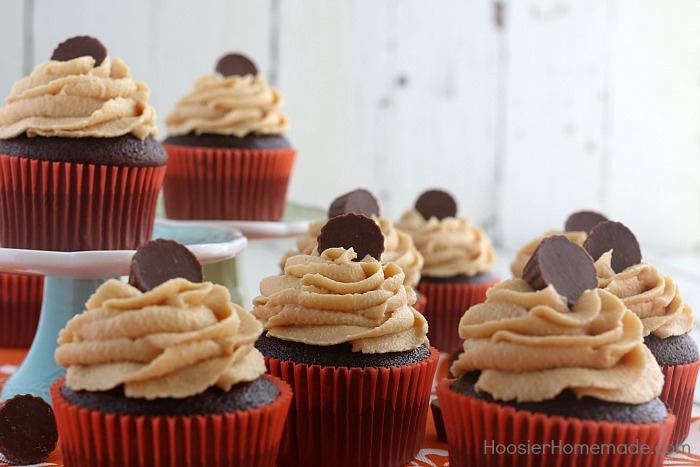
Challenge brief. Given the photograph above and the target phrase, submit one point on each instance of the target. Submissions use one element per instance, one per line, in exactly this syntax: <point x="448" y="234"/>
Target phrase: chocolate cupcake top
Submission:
<point x="329" y="299"/>
<point x="79" y="93"/>
<point x="173" y="341"/>
<point x="533" y="339"/>
<point x="235" y="100"/>
<point x="451" y="246"/>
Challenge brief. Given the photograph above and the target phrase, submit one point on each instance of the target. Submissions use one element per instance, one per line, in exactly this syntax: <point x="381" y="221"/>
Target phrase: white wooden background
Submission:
<point x="525" y="110"/>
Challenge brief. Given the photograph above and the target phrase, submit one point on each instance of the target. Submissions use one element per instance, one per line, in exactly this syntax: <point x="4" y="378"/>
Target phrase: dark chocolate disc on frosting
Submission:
<point x="617" y="237"/>
<point x="28" y="431"/>
<point x="80" y="46"/>
<point x="583" y="221"/>
<point x="564" y="264"/>
<point x="354" y="231"/>
<point x="359" y="201"/>
<point x="436" y="203"/>
<point x="160" y="260"/>
<point x="236" y="65"/>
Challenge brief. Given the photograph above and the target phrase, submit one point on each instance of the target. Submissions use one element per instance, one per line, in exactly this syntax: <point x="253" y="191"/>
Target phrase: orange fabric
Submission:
<point x="434" y="452"/>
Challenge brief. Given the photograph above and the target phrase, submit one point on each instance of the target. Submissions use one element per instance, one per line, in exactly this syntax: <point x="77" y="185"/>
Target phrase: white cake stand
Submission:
<point x="70" y="279"/>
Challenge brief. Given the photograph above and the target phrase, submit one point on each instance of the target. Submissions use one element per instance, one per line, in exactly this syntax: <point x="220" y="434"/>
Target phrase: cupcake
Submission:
<point x="554" y="371"/>
<point x="166" y="376"/>
<point x="666" y="319"/>
<point x="576" y="228"/>
<point x="20" y="306"/>
<point x="398" y="245"/>
<point x="458" y="260"/>
<point x="229" y="159"/>
<point x="340" y="329"/>
<point x="79" y="166"/>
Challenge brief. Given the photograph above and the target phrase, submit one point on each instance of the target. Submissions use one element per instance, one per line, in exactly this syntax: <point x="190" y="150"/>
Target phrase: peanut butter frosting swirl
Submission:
<point x="450" y="247"/>
<point x="331" y="299"/>
<point x="175" y="340"/>
<point x="398" y="248"/>
<point x="77" y="99"/>
<point x="523" y="255"/>
<point x="653" y="297"/>
<point x="530" y="346"/>
<point x="229" y="105"/>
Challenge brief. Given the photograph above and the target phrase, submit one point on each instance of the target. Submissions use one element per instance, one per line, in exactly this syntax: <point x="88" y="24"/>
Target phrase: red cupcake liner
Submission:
<point x="64" y="206"/>
<point x="352" y="416"/>
<point x="485" y="434"/>
<point x="20" y="307"/>
<point x="677" y="394"/>
<point x="245" y="438"/>
<point x="421" y="302"/>
<point x="446" y="305"/>
<point x="226" y="184"/>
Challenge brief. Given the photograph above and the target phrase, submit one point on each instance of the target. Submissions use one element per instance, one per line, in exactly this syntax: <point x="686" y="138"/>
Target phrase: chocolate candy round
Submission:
<point x="80" y="46"/>
<point x="564" y="264"/>
<point x="28" y="433"/>
<point x="359" y="201"/>
<point x="236" y="65"/>
<point x="160" y="260"/>
<point x="354" y="231"/>
<point x="617" y="237"/>
<point x="583" y="221"/>
<point x="436" y="203"/>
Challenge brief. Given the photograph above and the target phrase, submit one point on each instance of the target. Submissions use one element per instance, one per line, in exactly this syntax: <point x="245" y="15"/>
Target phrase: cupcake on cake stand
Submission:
<point x="70" y="279"/>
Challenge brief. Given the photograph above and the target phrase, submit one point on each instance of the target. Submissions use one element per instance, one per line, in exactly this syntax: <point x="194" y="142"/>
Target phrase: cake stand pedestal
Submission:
<point x="70" y="279"/>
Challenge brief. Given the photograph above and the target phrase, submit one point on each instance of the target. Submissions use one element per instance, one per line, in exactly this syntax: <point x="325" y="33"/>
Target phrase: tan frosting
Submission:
<point x="398" y="248"/>
<point x="173" y="341"/>
<point x="530" y="346"/>
<point x="653" y="297"/>
<point x="229" y="105"/>
<point x="76" y="99"/>
<point x="523" y="255"/>
<point x="450" y="247"/>
<point x="330" y="299"/>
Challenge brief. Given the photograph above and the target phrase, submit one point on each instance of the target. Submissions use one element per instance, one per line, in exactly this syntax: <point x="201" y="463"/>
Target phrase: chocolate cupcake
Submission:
<point x="552" y="360"/>
<point x="229" y="158"/>
<point x="458" y="260"/>
<point x="666" y="319"/>
<point x="166" y="376"/>
<point x="341" y="331"/>
<point x="79" y="166"/>
<point x="398" y="245"/>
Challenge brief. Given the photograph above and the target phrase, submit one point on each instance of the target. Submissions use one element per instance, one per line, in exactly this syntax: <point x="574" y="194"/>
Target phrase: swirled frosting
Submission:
<point x="229" y="105"/>
<point x="523" y="255"/>
<point x="529" y="346"/>
<point x="398" y="248"/>
<point x="450" y="247"/>
<point x="331" y="299"/>
<point x="175" y="340"/>
<point x="653" y="297"/>
<point x="77" y="99"/>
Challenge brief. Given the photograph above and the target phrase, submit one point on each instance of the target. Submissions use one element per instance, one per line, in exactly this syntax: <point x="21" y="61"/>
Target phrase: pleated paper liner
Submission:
<point x="446" y="305"/>
<point x="20" y="306"/>
<point x="486" y="434"/>
<point x="352" y="416"/>
<point x="64" y="206"/>
<point x="91" y="438"/>
<point x="421" y="301"/>
<point x="677" y="394"/>
<point x="227" y="184"/>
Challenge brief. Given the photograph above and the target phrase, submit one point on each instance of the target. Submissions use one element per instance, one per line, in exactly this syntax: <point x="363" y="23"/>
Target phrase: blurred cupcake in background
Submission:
<point x="398" y="245"/>
<point x="576" y="228"/>
<point x="666" y="318"/>
<point x="458" y="260"/>
<point x="79" y="166"/>
<point x="229" y="158"/>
